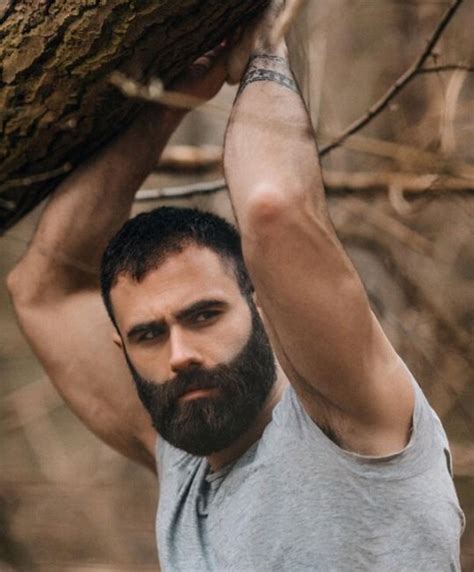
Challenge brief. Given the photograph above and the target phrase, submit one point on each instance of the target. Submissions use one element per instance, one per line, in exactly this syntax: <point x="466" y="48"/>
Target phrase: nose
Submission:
<point x="183" y="354"/>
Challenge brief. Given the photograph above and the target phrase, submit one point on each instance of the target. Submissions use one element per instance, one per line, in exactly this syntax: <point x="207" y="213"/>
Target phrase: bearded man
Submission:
<point x="328" y="458"/>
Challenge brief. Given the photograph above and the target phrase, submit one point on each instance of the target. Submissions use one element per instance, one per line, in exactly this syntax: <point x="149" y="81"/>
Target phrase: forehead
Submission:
<point x="182" y="279"/>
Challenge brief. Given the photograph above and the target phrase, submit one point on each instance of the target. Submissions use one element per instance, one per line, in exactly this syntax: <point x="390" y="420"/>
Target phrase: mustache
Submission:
<point x="169" y="392"/>
<point x="192" y="380"/>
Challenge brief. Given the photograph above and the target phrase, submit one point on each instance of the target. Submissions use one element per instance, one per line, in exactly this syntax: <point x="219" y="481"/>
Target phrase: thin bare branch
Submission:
<point x="335" y="181"/>
<point x="181" y="191"/>
<point x="410" y="158"/>
<point x="155" y="92"/>
<point x="185" y="158"/>
<point x="438" y="172"/>
<point x="408" y="182"/>
<point x="401" y="82"/>
<point x="446" y="68"/>
<point x="391" y="226"/>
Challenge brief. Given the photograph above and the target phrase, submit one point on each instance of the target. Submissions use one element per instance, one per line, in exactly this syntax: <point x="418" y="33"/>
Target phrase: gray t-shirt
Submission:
<point x="295" y="501"/>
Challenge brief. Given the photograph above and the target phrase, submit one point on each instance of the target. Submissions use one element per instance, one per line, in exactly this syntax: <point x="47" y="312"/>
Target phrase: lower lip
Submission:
<point x="198" y="393"/>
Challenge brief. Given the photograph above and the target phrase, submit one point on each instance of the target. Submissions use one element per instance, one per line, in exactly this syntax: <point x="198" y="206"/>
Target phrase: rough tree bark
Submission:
<point x="56" y="104"/>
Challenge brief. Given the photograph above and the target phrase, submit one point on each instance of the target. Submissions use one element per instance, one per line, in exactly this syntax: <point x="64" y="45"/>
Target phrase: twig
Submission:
<point x="182" y="191"/>
<point x="401" y="82"/>
<point x="457" y="335"/>
<point x="447" y="132"/>
<point x="335" y="181"/>
<point x="438" y="171"/>
<point x="155" y="92"/>
<point x="190" y="158"/>
<point x="445" y="68"/>
<point x="410" y="183"/>
<point x="390" y="225"/>
<point x="410" y="158"/>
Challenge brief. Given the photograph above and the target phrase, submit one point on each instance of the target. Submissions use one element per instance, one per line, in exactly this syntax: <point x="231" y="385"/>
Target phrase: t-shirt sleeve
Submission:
<point x="427" y="445"/>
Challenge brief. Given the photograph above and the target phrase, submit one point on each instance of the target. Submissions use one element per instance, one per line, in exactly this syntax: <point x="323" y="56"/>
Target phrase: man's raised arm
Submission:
<point x="335" y="354"/>
<point x="55" y="287"/>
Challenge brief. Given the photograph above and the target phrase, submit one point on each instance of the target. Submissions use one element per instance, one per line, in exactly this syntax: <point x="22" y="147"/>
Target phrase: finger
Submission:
<point x="211" y="59"/>
<point x="214" y="54"/>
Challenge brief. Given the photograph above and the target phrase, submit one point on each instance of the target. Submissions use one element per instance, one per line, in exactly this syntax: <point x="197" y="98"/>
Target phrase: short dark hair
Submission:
<point x="145" y="241"/>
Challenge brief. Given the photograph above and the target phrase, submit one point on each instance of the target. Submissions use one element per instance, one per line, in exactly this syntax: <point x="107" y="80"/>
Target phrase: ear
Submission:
<point x="117" y="339"/>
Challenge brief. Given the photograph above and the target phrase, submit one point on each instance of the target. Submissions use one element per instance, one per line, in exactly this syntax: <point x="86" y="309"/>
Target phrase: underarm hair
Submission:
<point x="268" y="67"/>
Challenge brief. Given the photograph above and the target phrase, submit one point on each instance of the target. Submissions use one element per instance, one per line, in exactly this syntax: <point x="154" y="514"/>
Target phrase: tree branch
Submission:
<point x="335" y="182"/>
<point x="446" y="67"/>
<point x="417" y="169"/>
<point x="401" y="82"/>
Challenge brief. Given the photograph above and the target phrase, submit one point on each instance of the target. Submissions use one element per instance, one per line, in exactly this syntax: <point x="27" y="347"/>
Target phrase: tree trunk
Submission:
<point x="56" y="103"/>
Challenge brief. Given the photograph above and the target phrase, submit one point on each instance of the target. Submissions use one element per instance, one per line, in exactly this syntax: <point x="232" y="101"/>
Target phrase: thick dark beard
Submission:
<point x="205" y="425"/>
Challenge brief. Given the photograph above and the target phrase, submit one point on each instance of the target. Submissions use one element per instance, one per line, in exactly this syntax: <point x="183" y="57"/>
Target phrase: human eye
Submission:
<point x="205" y="316"/>
<point x="146" y="336"/>
<point x="150" y="335"/>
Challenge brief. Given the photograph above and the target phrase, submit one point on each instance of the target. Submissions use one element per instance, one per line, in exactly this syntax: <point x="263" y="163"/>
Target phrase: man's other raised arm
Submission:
<point x="342" y="366"/>
<point x="55" y="287"/>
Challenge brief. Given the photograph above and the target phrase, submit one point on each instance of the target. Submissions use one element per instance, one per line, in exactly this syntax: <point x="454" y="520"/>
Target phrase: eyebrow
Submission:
<point x="199" y="306"/>
<point x="187" y="312"/>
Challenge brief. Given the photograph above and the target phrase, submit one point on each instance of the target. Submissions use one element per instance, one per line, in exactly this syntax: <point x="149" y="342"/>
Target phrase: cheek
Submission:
<point x="229" y="337"/>
<point x="150" y="363"/>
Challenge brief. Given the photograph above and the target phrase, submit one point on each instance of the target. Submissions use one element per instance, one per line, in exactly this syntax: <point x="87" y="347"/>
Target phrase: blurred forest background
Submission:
<point x="401" y="197"/>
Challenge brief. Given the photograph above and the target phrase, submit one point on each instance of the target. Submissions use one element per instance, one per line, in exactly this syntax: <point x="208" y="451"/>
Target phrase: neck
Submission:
<point x="246" y="440"/>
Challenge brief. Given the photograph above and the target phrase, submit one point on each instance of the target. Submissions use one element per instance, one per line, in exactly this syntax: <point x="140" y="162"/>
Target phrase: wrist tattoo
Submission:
<point x="268" y="67"/>
<point x="267" y="75"/>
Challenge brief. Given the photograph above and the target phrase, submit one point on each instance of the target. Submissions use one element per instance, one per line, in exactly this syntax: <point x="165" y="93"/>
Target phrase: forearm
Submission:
<point x="270" y="151"/>
<point x="93" y="202"/>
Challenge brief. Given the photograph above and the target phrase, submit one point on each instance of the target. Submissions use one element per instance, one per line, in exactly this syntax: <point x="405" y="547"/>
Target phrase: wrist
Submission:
<point x="157" y="116"/>
<point x="156" y="123"/>
<point x="150" y="132"/>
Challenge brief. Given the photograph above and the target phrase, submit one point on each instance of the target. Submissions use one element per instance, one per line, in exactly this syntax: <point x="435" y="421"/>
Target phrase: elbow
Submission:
<point x="13" y="283"/>
<point x="269" y="216"/>
<point x="270" y="206"/>
<point x="18" y="288"/>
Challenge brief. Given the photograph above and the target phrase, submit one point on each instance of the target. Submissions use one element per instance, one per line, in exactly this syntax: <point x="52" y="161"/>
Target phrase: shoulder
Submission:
<point x="427" y="445"/>
<point x="171" y="461"/>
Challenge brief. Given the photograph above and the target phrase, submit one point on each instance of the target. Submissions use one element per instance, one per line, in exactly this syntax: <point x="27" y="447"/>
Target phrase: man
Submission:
<point x="333" y="461"/>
